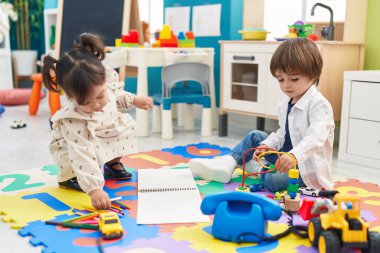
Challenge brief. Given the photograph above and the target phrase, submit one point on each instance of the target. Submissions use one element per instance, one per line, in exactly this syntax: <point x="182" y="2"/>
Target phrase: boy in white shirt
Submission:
<point x="306" y="125"/>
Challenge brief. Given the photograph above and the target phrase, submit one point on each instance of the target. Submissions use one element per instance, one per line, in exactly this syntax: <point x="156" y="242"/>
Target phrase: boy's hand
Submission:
<point x="144" y="103"/>
<point x="259" y="150"/>
<point x="285" y="163"/>
<point x="100" y="199"/>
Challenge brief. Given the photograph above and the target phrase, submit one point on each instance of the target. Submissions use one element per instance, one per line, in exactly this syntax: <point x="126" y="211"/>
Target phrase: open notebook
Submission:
<point x="168" y="196"/>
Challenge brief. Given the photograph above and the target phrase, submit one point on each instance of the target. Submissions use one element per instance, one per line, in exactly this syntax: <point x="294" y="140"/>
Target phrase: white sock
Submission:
<point x="218" y="169"/>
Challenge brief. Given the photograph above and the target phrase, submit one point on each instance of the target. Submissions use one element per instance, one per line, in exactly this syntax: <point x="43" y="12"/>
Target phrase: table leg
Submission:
<point x="142" y="90"/>
<point x="213" y="103"/>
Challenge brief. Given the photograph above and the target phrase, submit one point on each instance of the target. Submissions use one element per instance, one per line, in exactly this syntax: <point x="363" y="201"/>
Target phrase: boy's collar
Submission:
<point x="301" y="104"/>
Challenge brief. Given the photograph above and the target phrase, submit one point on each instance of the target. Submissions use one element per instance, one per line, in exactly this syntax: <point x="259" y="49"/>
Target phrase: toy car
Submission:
<point x="18" y="124"/>
<point x="109" y="225"/>
<point x="343" y="226"/>
<point x="308" y="191"/>
<point x="256" y="187"/>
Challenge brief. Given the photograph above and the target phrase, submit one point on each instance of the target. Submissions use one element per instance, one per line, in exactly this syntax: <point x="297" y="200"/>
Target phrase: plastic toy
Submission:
<point x="342" y="226"/>
<point x="129" y="40"/>
<point x="279" y="196"/>
<point x="240" y="216"/>
<point x="254" y="34"/>
<point x="109" y="225"/>
<point x="2" y="109"/>
<point x="258" y="186"/>
<point x="187" y="40"/>
<point x="166" y="38"/>
<point x="292" y="198"/>
<point x="308" y="191"/>
<point x="301" y="29"/>
<point x="18" y="124"/>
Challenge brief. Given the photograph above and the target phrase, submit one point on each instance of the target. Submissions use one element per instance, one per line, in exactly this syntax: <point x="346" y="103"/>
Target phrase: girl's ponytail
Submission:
<point x="49" y="74"/>
<point x="91" y="42"/>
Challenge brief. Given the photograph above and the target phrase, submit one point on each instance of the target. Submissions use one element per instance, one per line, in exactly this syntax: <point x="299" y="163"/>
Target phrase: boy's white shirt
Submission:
<point x="311" y="129"/>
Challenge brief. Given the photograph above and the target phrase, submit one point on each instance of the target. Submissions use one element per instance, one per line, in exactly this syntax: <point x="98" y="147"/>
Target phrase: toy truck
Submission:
<point x="343" y="227"/>
<point x="109" y="225"/>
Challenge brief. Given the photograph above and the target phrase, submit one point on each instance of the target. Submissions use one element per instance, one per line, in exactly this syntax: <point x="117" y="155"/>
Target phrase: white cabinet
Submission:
<point x="360" y="124"/>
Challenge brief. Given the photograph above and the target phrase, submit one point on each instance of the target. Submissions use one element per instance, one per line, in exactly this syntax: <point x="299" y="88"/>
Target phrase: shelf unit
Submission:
<point x="50" y="17"/>
<point x="359" y="140"/>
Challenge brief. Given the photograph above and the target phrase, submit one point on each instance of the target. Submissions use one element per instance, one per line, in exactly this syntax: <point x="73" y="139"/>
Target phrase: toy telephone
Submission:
<point x="240" y="216"/>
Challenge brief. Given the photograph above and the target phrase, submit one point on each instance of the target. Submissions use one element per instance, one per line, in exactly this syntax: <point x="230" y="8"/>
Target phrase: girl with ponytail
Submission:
<point x="90" y="131"/>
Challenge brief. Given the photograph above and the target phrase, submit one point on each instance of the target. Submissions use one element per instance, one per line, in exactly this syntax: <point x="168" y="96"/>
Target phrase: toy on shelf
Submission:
<point x="186" y="40"/>
<point x="342" y="226"/>
<point x="129" y="40"/>
<point x="299" y="29"/>
<point x="167" y="38"/>
<point x="302" y="29"/>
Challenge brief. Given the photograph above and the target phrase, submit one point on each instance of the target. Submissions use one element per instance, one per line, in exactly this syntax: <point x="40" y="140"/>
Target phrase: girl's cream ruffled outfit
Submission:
<point x="82" y="142"/>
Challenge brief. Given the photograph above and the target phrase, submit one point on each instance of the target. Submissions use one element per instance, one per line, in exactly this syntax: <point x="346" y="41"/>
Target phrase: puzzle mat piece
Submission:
<point x="369" y="198"/>
<point x="127" y="189"/>
<point x="200" y="150"/>
<point x="152" y="159"/>
<point x="43" y="204"/>
<point x="33" y="179"/>
<point x="201" y="239"/>
<point x="82" y="240"/>
<point x="163" y="242"/>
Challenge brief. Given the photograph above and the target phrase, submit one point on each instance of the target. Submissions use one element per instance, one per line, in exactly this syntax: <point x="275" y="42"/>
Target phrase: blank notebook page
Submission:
<point x="168" y="196"/>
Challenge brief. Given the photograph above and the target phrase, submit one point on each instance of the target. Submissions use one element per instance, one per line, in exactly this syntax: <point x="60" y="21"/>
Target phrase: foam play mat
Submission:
<point x="27" y="199"/>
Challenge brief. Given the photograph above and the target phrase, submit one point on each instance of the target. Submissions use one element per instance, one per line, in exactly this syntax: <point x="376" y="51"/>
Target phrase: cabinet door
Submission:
<point x="273" y="92"/>
<point x="244" y="82"/>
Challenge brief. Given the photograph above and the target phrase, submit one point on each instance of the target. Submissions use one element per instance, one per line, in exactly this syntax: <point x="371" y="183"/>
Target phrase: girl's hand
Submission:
<point x="144" y="103"/>
<point x="100" y="199"/>
<point x="284" y="164"/>
<point x="259" y="150"/>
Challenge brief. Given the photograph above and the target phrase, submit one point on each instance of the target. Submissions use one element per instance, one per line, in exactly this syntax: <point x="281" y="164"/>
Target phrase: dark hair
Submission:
<point x="299" y="55"/>
<point x="78" y="70"/>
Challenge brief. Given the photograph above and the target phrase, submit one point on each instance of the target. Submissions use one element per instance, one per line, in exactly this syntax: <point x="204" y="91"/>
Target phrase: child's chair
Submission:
<point x="34" y="101"/>
<point x="171" y="75"/>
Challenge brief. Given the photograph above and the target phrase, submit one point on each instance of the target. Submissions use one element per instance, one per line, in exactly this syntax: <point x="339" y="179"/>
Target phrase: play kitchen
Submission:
<point x="248" y="87"/>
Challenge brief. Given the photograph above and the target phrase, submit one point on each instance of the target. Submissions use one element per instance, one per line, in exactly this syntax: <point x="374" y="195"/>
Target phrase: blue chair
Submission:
<point x="175" y="73"/>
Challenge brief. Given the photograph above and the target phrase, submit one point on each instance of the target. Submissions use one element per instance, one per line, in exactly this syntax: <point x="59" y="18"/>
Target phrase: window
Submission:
<point x="323" y="15"/>
<point x="152" y="12"/>
<point x="279" y="14"/>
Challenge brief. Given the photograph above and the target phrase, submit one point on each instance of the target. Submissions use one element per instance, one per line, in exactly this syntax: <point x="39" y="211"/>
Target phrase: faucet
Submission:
<point x="327" y="32"/>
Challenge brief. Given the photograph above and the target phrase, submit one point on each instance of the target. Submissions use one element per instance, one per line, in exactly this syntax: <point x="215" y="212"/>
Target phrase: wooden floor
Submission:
<point x="27" y="148"/>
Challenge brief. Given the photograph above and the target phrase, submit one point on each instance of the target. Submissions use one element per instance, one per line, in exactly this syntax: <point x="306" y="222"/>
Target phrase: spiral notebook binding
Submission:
<point x="167" y="189"/>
